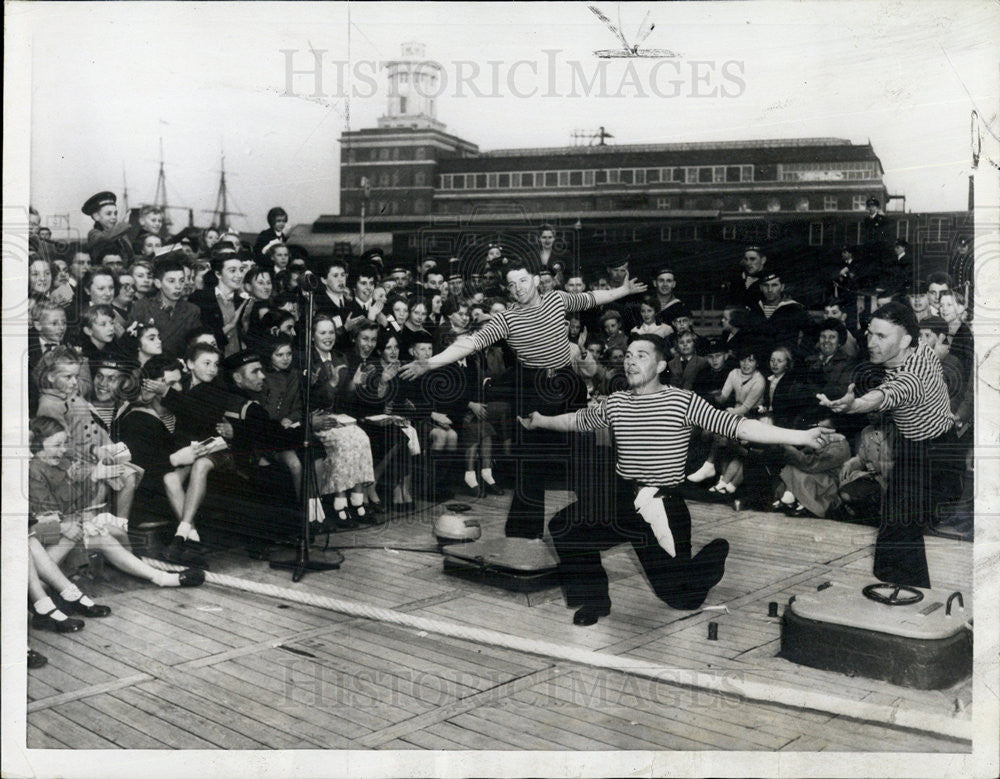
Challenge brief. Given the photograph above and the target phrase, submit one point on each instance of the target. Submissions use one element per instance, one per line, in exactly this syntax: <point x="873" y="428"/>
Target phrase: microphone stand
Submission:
<point x="301" y="564"/>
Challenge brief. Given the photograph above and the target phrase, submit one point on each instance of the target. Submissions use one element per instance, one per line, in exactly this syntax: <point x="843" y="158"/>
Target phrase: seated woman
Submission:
<point x="348" y="466"/>
<point x="368" y="389"/>
<point x="863" y="478"/>
<point x="147" y="428"/>
<point x="648" y="325"/>
<point x="58" y="377"/>
<point x="812" y="475"/>
<point x="59" y="489"/>
<point x="413" y="327"/>
<point x="745" y="387"/>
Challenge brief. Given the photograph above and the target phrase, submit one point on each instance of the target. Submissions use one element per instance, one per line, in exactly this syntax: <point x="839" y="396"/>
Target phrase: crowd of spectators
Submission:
<point x="168" y="374"/>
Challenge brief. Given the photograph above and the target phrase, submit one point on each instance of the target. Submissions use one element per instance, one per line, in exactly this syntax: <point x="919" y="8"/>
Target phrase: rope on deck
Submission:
<point x="722" y="683"/>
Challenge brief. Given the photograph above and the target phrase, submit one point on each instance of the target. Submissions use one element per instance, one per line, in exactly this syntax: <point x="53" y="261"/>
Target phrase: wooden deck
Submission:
<point x="212" y="668"/>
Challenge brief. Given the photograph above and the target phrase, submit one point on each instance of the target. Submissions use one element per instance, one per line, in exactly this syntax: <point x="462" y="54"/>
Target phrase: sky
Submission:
<point x="107" y="81"/>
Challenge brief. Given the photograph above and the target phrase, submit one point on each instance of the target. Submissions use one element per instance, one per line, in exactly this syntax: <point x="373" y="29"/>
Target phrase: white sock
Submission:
<point x="164" y="579"/>
<point x="470" y="479"/>
<point x="46" y="606"/>
<point x="72" y="593"/>
<point x="339" y="503"/>
<point x="487" y="474"/>
<point x="788" y="498"/>
<point x="193" y="535"/>
<point x="183" y="531"/>
<point x="357" y="499"/>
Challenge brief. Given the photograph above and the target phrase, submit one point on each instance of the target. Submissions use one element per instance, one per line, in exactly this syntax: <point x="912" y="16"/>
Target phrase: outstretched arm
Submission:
<point x="630" y="287"/>
<point x="758" y="433"/>
<point x="463" y="347"/>
<point x="565" y="423"/>
<point x="849" y="404"/>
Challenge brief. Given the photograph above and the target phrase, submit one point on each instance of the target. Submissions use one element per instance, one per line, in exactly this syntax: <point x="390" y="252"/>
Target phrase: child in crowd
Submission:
<point x="811" y="476"/>
<point x="282" y="397"/>
<point x="59" y="489"/>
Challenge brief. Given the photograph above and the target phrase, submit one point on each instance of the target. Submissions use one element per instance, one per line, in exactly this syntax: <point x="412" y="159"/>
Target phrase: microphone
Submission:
<point x="310" y="281"/>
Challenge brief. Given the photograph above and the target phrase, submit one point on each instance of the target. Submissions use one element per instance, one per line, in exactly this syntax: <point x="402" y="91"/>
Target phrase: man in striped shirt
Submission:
<point x="535" y="328"/>
<point x="652" y="425"/>
<point x="926" y="471"/>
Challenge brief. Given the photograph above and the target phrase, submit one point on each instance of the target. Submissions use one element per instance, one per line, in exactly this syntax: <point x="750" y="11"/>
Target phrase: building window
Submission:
<point x="601" y="176"/>
<point x="719" y="175"/>
<point x="564" y="178"/>
<point x="395" y="154"/>
<point x="576" y="178"/>
<point x="815" y="233"/>
<point x="347" y="207"/>
<point x="395" y="178"/>
<point x="383" y="154"/>
<point x="503" y="180"/>
<point x="527" y="180"/>
<point x="830" y="203"/>
<point x="903" y="229"/>
<point x="802" y="204"/>
<point x="747" y="172"/>
<point x="625" y="176"/>
<point x="676" y="174"/>
<point x="652" y="175"/>
<point x="664" y="202"/>
<point x="614" y="176"/>
<point x="351" y="156"/>
<point x="744" y="205"/>
<point x="729" y="232"/>
<point x="480" y="181"/>
<point x="588" y="178"/>
<point x="459" y="181"/>
<point x="413" y="241"/>
<point x="421" y="153"/>
<point x="640" y="176"/>
<point x="551" y="178"/>
<point x="691" y="175"/>
<point x="858" y="203"/>
<point x="420" y="206"/>
<point x="445" y="181"/>
<point x="419" y="178"/>
<point x="733" y="173"/>
<point x="705" y="176"/>
<point x="666" y="235"/>
<point x="491" y="180"/>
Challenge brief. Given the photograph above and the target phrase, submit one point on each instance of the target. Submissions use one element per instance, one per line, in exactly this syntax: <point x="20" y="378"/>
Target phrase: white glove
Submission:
<point x="651" y="509"/>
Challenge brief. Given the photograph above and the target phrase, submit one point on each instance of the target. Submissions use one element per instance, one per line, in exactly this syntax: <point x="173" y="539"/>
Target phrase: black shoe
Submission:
<point x="46" y="622"/>
<point x="493" y="489"/>
<point x="590" y="613"/>
<point x="377" y="509"/>
<point x="713" y="558"/>
<point x="75" y="607"/>
<point x="179" y="553"/>
<point x="362" y="518"/>
<point x="341" y="520"/>
<point x="192" y="577"/>
<point x="36" y="659"/>
<point x="470" y="492"/>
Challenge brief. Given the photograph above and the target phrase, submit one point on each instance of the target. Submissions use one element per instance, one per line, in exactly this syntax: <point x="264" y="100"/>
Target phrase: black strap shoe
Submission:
<point x="179" y="553"/>
<point x="493" y="489"/>
<point x="36" y="659"/>
<point x="192" y="577"/>
<point x="589" y="614"/>
<point x="76" y="607"/>
<point x="47" y="622"/>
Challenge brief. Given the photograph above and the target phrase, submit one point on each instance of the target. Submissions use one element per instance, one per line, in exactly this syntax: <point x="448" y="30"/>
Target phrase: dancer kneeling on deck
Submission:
<point x="652" y="424"/>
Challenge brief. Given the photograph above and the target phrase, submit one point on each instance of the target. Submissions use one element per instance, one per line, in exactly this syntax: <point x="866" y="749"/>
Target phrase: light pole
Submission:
<point x="578" y="229"/>
<point x="366" y="189"/>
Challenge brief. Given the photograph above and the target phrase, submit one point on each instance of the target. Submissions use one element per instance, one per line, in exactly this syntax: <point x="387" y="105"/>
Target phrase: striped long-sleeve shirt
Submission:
<point x="917" y="396"/>
<point x="537" y="334"/>
<point x="652" y="431"/>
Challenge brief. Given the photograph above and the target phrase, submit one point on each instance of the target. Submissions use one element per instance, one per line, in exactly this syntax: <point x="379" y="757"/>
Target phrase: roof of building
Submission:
<point x="721" y="153"/>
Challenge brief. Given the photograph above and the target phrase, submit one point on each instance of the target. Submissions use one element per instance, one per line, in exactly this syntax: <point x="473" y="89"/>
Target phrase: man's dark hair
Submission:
<point x="274" y="213"/>
<point x="516" y="264"/>
<point x="900" y="315"/>
<point x="935" y="324"/>
<point x="940" y="277"/>
<point x="195" y="350"/>
<point x="163" y="267"/>
<point x="659" y="344"/>
<point x="331" y="262"/>
<point x="157" y="366"/>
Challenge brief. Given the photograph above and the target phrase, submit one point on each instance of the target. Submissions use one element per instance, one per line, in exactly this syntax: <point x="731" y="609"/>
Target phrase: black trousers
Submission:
<point x="925" y="476"/>
<point x="540" y="453"/>
<point x="580" y="535"/>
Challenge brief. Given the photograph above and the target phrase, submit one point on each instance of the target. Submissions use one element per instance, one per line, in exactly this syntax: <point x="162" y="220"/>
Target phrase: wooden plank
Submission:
<point x="110" y="727"/>
<point x="324" y="694"/>
<point x="168" y="734"/>
<point x="36" y="738"/>
<point x="161" y="629"/>
<point x="427" y="740"/>
<point x="317" y="723"/>
<point x="202" y="732"/>
<point x="263" y="707"/>
<point x="257" y="718"/>
<point x="502" y="725"/>
<point x="69" y="732"/>
<point x="470" y="739"/>
<point x="182" y="612"/>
